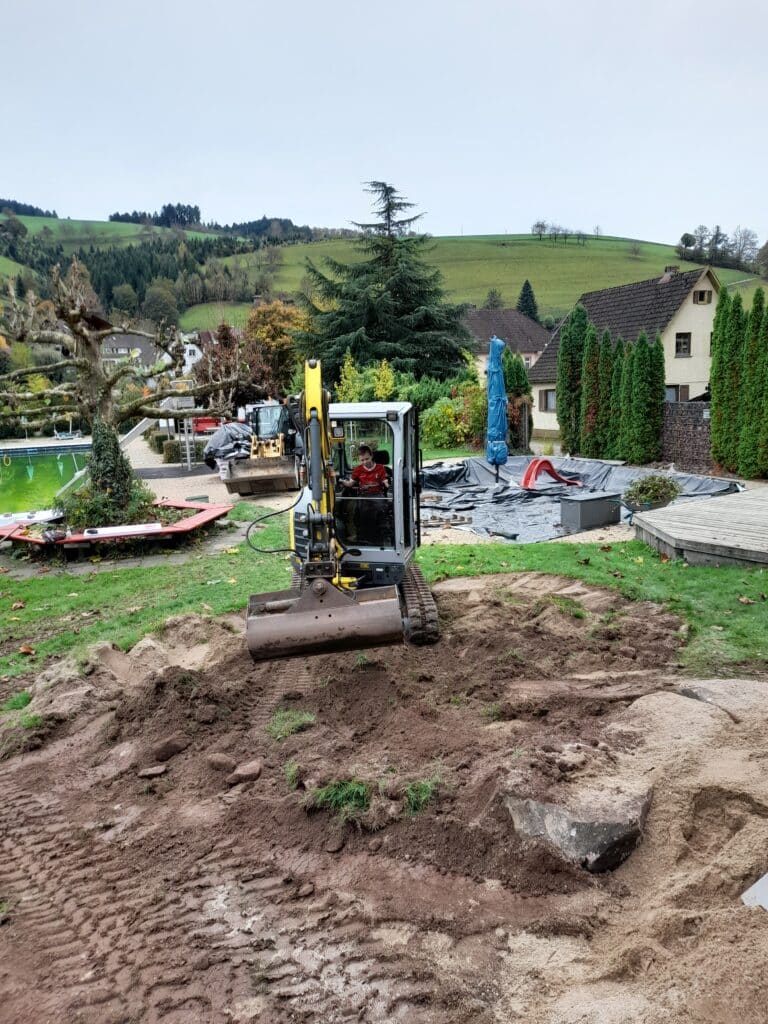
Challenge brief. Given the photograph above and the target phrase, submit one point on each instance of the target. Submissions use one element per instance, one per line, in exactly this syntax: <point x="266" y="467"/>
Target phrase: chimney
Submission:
<point x="669" y="272"/>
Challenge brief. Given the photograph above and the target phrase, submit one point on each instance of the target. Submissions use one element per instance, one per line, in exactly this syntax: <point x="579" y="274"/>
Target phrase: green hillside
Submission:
<point x="208" y="315"/>
<point x="76" y="233"/>
<point x="9" y="268"/>
<point x="472" y="265"/>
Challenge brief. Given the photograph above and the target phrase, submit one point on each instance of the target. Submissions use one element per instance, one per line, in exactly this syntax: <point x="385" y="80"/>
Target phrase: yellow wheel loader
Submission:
<point x="355" y="582"/>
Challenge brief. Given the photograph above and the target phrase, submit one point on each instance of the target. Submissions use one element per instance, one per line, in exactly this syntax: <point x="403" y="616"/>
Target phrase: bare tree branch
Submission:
<point x="45" y="369"/>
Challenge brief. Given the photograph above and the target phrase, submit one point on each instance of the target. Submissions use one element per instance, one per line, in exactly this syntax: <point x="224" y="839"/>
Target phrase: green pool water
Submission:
<point x="29" y="483"/>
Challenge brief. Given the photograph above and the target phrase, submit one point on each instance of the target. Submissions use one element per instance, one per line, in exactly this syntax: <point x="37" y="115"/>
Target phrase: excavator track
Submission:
<point x="423" y="626"/>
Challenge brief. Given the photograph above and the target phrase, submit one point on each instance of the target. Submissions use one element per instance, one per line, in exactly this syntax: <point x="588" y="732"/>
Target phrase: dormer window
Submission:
<point x="702" y="297"/>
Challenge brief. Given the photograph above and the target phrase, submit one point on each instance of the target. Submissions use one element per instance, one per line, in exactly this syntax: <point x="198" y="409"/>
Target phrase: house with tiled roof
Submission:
<point x="679" y="307"/>
<point x="521" y="334"/>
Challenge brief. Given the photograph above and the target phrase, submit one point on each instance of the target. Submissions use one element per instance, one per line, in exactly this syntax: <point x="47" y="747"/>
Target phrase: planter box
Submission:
<point x="587" y="511"/>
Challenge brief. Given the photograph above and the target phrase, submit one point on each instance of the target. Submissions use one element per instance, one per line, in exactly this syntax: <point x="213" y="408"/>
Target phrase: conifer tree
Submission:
<point x="605" y="373"/>
<point x="526" y="302"/>
<point x="519" y="400"/>
<point x="389" y="305"/>
<point x="614" y="425"/>
<point x="753" y="386"/>
<point x="625" y="431"/>
<point x="734" y="360"/>
<point x="762" y="445"/>
<point x="570" y="356"/>
<point x="717" y="379"/>
<point x="590" y="395"/>
<point x="658" y="396"/>
<point x="642" y="443"/>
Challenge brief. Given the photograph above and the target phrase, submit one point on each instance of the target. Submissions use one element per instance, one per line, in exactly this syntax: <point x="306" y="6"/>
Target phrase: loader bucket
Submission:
<point x="322" y="618"/>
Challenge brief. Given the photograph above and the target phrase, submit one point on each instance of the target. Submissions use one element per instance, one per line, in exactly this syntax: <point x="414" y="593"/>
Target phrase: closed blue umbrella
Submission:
<point x="496" y="451"/>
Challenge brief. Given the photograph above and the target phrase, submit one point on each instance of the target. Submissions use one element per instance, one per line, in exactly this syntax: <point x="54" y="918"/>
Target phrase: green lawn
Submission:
<point x="472" y="265"/>
<point x="208" y="315"/>
<point x="10" y="268"/>
<point x="726" y="636"/>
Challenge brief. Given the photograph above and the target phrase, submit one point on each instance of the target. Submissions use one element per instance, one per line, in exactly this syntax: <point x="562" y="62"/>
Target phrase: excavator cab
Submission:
<point x="355" y="581"/>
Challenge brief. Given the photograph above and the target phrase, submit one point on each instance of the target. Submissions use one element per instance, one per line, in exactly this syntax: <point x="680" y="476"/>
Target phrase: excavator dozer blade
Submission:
<point x="322" y="618"/>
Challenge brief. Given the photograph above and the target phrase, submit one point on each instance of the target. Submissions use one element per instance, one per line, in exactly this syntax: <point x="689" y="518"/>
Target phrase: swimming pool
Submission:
<point x="29" y="482"/>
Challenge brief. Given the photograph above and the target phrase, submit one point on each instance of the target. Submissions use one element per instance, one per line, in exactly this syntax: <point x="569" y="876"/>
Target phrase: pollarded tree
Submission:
<point x="613" y="434"/>
<point x="104" y="394"/>
<point x="605" y="375"/>
<point x="390" y="305"/>
<point x="526" y="302"/>
<point x="718" y="379"/>
<point x="753" y="387"/>
<point x="590" y="395"/>
<point x="570" y="356"/>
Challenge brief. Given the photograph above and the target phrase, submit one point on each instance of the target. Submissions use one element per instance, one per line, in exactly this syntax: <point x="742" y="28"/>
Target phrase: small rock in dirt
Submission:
<point x="153" y="772"/>
<point x="220" y="762"/>
<point x="206" y="714"/>
<point x="335" y="843"/>
<point x="627" y="651"/>
<point x="248" y="772"/>
<point x="305" y="890"/>
<point x="375" y="845"/>
<point x="170" y="746"/>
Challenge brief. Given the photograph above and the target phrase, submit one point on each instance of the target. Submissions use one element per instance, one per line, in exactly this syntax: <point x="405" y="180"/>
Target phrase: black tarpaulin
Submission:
<point x="508" y="512"/>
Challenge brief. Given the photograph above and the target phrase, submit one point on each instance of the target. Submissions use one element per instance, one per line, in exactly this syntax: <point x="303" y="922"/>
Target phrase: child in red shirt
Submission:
<point x="369" y="477"/>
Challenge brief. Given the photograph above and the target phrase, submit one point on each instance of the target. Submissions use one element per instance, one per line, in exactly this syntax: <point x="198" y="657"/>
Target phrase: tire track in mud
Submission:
<point x="227" y="939"/>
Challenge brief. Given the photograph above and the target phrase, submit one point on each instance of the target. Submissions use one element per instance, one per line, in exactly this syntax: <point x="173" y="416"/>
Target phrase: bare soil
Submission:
<point x="187" y="896"/>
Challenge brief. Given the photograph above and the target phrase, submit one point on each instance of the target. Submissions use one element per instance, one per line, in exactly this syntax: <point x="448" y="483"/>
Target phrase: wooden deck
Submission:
<point x="729" y="530"/>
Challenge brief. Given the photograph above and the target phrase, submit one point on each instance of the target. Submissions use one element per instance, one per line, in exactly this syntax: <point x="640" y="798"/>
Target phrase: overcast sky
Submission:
<point x="646" y="118"/>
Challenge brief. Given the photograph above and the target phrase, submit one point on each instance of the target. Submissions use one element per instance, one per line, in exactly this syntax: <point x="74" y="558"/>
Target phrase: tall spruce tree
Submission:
<point x="626" y="428"/>
<point x="570" y="356"/>
<point x="642" y="445"/>
<point x="526" y="302"/>
<point x="614" y="426"/>
<point x="391" y="305"/>
<point x="753" y="386"/>
<point x="762" y="444"/>
<point x="717" y="379"/>
<point x="590" y="396"/>
<point x="734" y="364"/>
<point x="605" y="373"/>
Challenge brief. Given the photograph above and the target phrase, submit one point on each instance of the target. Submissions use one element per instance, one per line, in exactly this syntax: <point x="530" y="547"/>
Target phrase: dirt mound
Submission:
<point x="361" y="864"/>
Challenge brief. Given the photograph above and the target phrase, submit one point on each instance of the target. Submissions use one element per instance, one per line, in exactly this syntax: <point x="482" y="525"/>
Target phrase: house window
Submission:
<point x="676" y="393"/>
<point x="548" y="400"/>
<point x="683" y="345"/>
<point x="703" y="298"/>
<point x="527" y="361"/>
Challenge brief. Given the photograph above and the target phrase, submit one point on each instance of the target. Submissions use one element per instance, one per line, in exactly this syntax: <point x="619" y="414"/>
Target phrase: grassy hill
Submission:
<point x="208" y="315"/>
<point x="76" y="233"/>
<point x="472" y="265"/>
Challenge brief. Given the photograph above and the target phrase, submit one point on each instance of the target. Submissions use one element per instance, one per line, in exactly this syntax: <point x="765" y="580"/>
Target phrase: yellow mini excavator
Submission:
<point x="355" y="582"/>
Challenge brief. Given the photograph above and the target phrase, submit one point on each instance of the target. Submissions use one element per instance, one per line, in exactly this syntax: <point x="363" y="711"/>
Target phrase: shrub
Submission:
<point x="172" y="450"/>
<point x="652" y="489"/>
<point x="443" y="425"/>
<point x="87" y="507"/>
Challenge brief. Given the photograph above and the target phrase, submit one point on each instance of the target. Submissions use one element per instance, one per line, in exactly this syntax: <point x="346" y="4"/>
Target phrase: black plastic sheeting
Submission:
<point x="505" y="511"/>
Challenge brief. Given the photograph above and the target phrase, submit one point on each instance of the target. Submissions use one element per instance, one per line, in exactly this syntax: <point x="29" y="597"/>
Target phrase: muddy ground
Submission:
<point x="188" y="893"/>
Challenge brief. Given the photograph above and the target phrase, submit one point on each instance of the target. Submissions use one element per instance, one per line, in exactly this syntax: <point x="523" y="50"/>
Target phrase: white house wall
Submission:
<point x="697" y="320"/>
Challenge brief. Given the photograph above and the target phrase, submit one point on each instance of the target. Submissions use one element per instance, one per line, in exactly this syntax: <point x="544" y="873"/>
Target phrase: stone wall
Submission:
<point x="685" y="435"/>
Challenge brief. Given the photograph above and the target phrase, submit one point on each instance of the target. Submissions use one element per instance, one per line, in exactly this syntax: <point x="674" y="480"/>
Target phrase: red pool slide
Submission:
<point x="538" y="466"/>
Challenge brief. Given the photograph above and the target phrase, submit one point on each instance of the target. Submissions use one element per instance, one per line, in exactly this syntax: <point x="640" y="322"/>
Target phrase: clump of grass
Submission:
<point x="17" y="701"/>
<point x="567" y="605"/>
<point x="292" y="773"/>
<point x="344" y="798"/>
<point x="418" y="794"/>
<point x="457" y="700"/>
<point x="362" y="661"/>
<point x="28" y="721"/>
<point x="287" y="721"/>
<point x="492" y="712"/>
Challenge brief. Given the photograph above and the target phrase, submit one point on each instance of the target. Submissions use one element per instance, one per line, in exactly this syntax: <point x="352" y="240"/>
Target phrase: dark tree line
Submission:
<point x="171" y="215"/>
<point x="26" y="209"/>
<point x="738" y="251"/>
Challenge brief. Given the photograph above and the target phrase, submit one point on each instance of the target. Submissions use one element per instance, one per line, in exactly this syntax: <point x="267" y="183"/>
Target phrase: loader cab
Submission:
<point x="378" y="531"/>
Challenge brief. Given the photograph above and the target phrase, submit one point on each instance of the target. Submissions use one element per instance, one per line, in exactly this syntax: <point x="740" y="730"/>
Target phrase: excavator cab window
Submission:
<point x="364" y="503"/>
